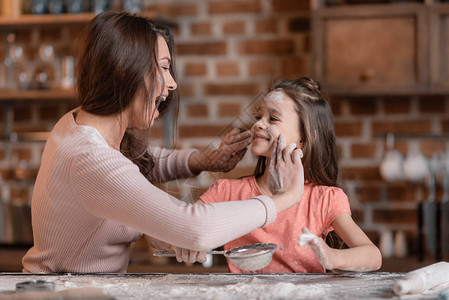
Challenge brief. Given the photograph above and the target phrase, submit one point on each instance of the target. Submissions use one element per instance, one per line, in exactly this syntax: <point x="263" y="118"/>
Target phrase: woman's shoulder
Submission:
<point x="86" y="148"/>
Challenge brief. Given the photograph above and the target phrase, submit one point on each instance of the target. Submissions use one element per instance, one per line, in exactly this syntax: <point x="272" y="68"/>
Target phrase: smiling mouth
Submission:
<point x="258" y="138"/>
<point x="159" y="100"/>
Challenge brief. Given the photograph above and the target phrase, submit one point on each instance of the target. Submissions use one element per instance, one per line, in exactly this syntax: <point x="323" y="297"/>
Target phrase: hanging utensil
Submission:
<point x="420" y="231"/>
<point x="444" y="209"/>
<point x="430" y="209"/>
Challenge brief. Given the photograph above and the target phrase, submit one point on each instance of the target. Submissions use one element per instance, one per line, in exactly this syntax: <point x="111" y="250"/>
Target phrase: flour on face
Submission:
<point x="275" y="96"/>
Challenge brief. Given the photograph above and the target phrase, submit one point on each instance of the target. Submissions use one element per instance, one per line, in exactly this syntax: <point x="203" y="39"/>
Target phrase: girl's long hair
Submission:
<point x="320" y="158"/>
<point x="118" y="51"/>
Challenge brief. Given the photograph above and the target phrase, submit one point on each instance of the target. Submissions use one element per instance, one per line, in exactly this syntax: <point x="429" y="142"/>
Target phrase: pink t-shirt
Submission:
<point x="318" y="208"/>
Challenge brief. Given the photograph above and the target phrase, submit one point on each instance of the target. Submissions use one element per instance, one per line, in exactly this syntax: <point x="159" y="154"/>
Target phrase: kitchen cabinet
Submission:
<point x="439" y="47"/>
<point x="10" y="25"/>
<point x="397" y="48"/>
<point x="14" y="24"/>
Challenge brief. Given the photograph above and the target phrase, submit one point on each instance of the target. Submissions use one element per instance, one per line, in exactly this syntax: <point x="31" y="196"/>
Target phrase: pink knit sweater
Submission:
<point x="90" y="202"/>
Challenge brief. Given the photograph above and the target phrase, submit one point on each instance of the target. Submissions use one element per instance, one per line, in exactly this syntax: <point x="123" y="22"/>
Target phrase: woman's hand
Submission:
<point x="286" y="174"/>
<point x="231" y="150"/>
<point x="323" y="252"/>
<point x="182" y="255"/>
<point x="190" y="256"/>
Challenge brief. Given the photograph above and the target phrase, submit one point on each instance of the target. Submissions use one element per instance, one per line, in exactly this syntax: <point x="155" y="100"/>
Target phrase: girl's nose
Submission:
<point x="259" y="125"/>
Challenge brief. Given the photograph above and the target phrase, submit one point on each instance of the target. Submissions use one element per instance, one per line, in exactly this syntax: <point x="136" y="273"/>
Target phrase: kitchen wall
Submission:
<point x="228" y="52"/>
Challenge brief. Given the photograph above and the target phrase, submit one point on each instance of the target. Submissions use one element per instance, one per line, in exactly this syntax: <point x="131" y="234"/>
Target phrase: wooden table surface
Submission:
<point x="376" y="285"/>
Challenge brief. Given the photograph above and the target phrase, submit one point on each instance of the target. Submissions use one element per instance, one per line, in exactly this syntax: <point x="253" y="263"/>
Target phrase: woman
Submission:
<point x="94" y="194"/>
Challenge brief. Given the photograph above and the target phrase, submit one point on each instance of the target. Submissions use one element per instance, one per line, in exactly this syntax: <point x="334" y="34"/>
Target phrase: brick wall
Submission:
<point x="228" y="51"/>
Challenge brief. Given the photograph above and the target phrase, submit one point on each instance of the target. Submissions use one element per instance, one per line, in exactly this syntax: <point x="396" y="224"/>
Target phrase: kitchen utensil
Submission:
<point x="17" y="222"/>
<point x="100" y="6"/>
<point x="392" y="166"/>
<point x="249" y="258"/>
<point x="445" y="230"/>
<point x="444" y="210"/>
<point x="67" y="72"/>
<point x="74" y="6"/>
<point x="420" y="232"/>
<point x="56" y="7"/>
<point x="422" y="279"/>
<point x="400" y="244"/>
<point x="386" y="244"/>
<point x="39" y="7"/>
<point x="430" y="213"/>
<point x="416" y="166"/>
<point x="19" y="70"/>
<point x="35" y="285"/>
<point x="27" y="227"/>
<point x="2" y="221"/>
<point x="133" y="6"/>
<point x="7" y="219"/>
<point x="45" y="69"/>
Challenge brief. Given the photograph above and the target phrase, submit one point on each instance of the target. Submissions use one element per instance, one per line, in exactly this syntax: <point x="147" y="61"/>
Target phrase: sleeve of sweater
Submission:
<point x="110" y="186"/>
<point x="171" y="164"/>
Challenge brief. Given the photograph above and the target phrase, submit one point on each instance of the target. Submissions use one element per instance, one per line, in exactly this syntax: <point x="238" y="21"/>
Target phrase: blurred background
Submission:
<point x="383" y="65"/>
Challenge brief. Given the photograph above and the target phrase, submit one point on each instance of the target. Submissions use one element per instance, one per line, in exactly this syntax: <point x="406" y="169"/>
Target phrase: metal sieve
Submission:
<point x="249" y="258"/>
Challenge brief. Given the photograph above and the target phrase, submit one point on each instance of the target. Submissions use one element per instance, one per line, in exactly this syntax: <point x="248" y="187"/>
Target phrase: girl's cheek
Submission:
<point x="252" y="130"/>
<point x="273" y="132"/>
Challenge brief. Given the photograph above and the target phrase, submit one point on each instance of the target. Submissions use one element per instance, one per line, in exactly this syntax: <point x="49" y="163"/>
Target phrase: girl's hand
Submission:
<point x="286" y="172"/>
<point x="231" y="150"/>
<point x="320" y="248"/>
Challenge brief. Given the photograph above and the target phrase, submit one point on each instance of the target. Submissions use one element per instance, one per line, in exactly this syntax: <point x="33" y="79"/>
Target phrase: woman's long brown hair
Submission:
<point x="117" y="52"/>
<point x="317" y="131"/>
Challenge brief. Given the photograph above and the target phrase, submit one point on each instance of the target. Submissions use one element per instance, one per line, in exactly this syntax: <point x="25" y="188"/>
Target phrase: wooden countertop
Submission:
<point x="214" y="286"/>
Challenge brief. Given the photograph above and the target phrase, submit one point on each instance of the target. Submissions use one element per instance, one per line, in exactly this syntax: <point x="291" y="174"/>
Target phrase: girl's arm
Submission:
<point x="362" y="255"/>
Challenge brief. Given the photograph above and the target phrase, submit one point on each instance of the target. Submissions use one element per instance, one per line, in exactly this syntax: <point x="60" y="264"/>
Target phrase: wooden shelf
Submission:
<point x="43" y="20"/>
<point x="38" y="95"/>
<point x="28" y="21"/>
<point x="38" y="136"/>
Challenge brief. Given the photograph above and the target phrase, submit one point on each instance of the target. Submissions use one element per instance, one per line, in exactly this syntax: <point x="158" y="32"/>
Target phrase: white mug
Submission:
<point x="391" y="167"/>
<point x="386" y="244"/>
<point x="416" y="166"/>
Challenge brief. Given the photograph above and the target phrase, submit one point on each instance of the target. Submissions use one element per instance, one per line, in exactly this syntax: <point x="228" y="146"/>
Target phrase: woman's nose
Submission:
<point x="171" y="83"/>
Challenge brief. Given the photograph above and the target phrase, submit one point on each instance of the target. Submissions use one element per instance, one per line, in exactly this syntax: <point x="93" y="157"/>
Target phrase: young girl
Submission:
<point x="297" y="110"/>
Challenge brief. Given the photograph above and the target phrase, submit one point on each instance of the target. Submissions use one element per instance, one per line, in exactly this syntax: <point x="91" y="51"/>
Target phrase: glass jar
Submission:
<point x="45" y="69"/>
